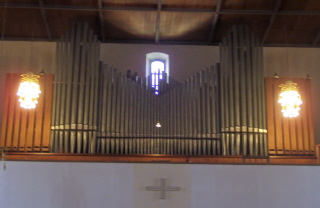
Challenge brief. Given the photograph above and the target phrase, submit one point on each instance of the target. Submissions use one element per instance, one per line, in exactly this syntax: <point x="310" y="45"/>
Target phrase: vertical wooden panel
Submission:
<point x="293" y="130"/>
<point x="5" y="111"/>
<point x="285" y="127"/>
<point x="16" y="125"/>
<point x="278" y="118"/>
<point x="47" y="109"/>
<point x="11" y="109"/>
<point x="23" y="130"/>
<point x="39" y="116"/>
<point x="310" y="117"/>
<point x="270" y="115"/>
<point x="299" y="121"/>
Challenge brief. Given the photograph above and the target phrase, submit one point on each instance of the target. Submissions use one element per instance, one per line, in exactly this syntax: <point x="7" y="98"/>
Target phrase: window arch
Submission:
<point x="156" y="64"/>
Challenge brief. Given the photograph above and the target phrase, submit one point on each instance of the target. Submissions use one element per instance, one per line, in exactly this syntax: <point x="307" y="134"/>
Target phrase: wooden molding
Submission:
<point x="60" y="157"/>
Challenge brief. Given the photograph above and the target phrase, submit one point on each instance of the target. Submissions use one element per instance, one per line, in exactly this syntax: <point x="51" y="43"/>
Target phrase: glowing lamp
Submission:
<point x="289" y="99"/>
<point x="29" y="91"/>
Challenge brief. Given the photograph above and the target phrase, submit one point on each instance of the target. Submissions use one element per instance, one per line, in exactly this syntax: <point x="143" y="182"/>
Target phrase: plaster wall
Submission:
<point x="122" y="185"/>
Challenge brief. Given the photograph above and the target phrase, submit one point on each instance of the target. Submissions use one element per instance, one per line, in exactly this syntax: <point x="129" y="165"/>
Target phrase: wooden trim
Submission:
<point x="67" y="157"/>
<point x="317" y="146"/>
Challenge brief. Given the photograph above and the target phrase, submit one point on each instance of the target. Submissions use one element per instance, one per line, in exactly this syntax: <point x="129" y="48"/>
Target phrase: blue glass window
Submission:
<point x="157" y="68"/>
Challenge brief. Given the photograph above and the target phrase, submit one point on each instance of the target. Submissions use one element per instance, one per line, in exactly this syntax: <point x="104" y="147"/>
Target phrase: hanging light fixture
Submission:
<point x="289" y="99"/>
<point x="29" y="90"/>
<point x="158" y="124"/>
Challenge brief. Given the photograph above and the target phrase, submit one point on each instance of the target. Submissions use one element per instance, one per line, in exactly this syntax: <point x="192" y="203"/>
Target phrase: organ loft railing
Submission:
<point x="92" y="108"/>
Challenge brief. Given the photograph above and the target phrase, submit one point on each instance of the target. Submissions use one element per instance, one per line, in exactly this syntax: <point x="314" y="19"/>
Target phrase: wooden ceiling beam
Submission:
<point x="270" y="12"/>
<point x="101" y="19"/>
<point x="151" y="9"/>
<point x="273" y="16"/>
<point x="214" y="21"/>
<point x="157" y="26"/>
<point x="167" y="42"/>
<point x="45" y="19"/>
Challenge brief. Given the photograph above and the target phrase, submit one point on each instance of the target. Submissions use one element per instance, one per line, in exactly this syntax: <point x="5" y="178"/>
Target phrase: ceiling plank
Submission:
<point x="275" y="11"/>
<point x="45" y="19"/>
<point x="214" y="21"/>
<point x="101" y="20"/>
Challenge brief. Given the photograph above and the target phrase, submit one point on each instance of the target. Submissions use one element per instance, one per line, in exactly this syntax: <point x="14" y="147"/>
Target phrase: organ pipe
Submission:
<point x="242" y="104"/>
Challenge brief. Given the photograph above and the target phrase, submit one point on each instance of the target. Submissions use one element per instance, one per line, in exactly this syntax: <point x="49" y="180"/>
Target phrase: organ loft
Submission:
<point x="226" y="113"/>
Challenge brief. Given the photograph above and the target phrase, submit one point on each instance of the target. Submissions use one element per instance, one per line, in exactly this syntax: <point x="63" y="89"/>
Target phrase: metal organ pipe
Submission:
<point x="242" y="83"/>
<point x="75" y="97"/>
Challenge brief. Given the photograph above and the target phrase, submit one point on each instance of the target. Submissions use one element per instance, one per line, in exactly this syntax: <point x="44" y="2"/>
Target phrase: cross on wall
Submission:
<point x="162" y="188"/>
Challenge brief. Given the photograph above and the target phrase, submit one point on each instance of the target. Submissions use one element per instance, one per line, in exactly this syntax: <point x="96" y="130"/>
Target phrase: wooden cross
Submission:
<point x="162" y="188"/>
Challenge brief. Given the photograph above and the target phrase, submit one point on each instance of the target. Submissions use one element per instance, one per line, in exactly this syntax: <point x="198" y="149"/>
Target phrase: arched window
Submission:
<point x="156" y="64"/>
<point x="157" y="68"/>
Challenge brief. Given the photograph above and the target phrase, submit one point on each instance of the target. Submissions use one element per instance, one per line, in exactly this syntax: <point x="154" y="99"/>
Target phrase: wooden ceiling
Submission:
<point x="203" y="22"/>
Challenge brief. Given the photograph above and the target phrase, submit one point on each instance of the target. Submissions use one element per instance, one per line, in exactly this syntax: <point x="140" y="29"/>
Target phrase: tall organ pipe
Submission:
<point x="76" y="88"/>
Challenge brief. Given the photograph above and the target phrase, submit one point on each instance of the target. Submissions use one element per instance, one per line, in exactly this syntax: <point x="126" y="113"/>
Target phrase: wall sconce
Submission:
<point x="289" y="99"/>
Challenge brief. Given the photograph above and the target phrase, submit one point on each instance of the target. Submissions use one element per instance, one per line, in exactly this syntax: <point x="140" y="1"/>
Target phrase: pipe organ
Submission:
<point x="100" y="110"/>
<point x="96" y="109"/>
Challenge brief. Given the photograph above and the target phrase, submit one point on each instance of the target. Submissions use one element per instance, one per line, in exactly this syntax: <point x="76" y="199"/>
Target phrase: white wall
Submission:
<point x="121" y="185"/>
<point x="185" y="61"/>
